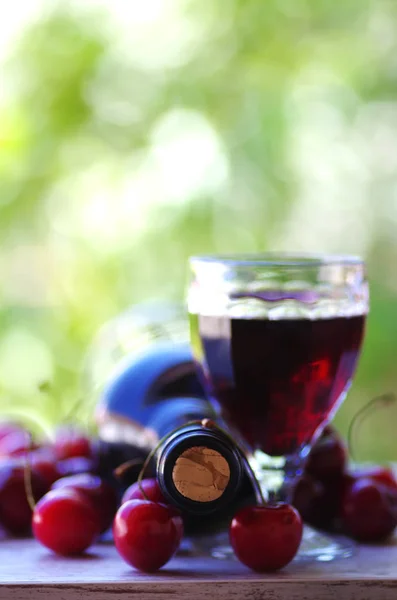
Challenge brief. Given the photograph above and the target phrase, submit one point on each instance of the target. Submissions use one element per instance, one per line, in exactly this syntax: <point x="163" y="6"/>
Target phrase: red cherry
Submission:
<point x="306" y="495"/>
<point x="369" y="511"/>
<point x="327" y="458"/>
<point x="101" y="494"/>
<point x="45" y="464"/>
<point x="45" y="451"/>
<point x="16" y="443"/>
<point x="383" y="475"/>
<point x="7" y="427"/>
<point x="151" y="489"/>
<point x="266" y="538"/>
<point x="65" y="521"/>
<point x="326" y="506"/>
<point x="15" y="512"/>
<point x="147" y="534"/>
<point x="71" y="442"/>
<point x="76" y="465"/>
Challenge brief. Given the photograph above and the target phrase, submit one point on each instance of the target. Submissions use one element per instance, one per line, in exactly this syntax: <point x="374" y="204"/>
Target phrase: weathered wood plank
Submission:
<point x="29" y="572"/>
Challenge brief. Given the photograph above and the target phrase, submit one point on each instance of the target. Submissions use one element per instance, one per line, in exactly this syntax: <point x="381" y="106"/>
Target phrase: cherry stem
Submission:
<point x="122" y="469"/>
<point x="259" y="497"/>
<point x="380" y="401"/>
<point x="144" y="467"/>
<point x="70" y="414"/>
<point x="27" y="475"/>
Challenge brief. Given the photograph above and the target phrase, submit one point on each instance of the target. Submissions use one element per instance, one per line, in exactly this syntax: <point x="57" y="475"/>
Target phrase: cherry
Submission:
<point x="65" y="521"/>
<point x="45" y="451"/>
<point x="47" y="470"/>
<point x="327" y="507"/>
<point x="328" y="456"/>
<point x="76" y="465"/>
<point x="328" y="430"/>
<point x="16" y="443"/>
<point x="320" y="503"/>
<point x="45" y="464"/>
<point x="385" y="476"/>
<point x="380" y="474"/>
<point x="7" y="427"/>
<point x="369" y="511"/>
<point x="151" y="489"/>
<point x="15" y="511"/>
<point x="71" y="442"/>
<point x="266" y="538"/>
<point x="147" y="534"/>
<point x="101" y="494"/>
<point x="307" y="495"/>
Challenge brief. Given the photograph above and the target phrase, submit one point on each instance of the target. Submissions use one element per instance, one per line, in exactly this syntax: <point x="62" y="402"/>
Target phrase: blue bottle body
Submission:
<point x="152" y="392"/>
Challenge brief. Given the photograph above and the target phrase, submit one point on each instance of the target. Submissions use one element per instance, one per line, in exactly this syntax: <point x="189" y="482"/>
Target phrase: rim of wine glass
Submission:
<point x="279" y="259"/>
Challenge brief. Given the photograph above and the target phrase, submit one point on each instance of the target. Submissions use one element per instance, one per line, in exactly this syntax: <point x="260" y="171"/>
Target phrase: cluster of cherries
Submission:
<point x="54" y="490"/>
<point x="359" y="502"/>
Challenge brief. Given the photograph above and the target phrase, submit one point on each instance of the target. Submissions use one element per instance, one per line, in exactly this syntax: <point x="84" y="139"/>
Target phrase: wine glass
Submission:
<point x="276" y="338"/>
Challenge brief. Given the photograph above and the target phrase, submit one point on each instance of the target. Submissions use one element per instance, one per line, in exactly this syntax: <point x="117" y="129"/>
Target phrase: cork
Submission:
<point x="201" y="474"/>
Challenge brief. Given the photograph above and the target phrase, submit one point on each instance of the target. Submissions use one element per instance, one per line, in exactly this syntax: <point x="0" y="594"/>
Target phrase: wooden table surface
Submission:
<point x="28" y="571"/>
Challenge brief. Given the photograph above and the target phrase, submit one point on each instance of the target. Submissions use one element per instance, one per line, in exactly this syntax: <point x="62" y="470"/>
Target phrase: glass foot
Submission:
<point x="214" y="546"/>
<point x="323" y="547"/>
<point x="315" y="546"/>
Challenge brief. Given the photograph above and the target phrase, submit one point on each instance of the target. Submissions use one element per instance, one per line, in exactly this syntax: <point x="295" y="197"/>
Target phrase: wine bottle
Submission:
<point x="153" y="392"/>
<point x="200" y="470"/>
<point x="155" y="404"/>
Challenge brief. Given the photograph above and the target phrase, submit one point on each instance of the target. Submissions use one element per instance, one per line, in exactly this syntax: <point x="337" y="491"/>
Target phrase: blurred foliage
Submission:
<point x="135" y="134"/>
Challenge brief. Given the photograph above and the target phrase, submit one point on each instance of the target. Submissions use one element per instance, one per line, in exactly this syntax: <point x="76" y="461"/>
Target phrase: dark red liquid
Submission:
<point x="276" y="382"/>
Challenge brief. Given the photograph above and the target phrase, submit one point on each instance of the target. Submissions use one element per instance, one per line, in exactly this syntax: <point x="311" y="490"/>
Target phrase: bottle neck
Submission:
<point x="199" y="469"/>
<point x="160" y="420"/>
<point x="173" y="413"/>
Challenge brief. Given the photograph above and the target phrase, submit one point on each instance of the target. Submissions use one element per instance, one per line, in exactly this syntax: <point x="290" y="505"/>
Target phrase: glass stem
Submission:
<point x="276" y="475"/>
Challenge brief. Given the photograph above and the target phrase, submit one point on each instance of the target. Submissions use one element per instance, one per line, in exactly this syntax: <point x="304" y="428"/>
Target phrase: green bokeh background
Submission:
<point x="135" y="134"/>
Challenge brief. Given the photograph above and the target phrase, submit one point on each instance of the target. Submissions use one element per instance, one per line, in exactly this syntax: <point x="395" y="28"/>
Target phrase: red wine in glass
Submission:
<point x="276" y="339"/>
<point x="277" y="381"/>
